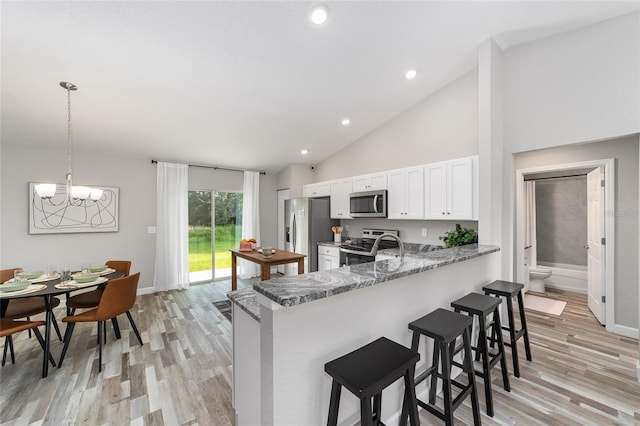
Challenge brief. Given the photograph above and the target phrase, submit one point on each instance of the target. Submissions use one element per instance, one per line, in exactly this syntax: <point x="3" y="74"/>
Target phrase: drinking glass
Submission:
<point x="66" y="274"/>
<point x="267" y="251"/>
<point x="52" y="270"/>
<point x="16" y="275"/>
<point x="86" y="268"/>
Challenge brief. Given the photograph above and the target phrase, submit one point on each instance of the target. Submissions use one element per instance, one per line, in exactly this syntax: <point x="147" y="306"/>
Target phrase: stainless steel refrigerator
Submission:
<point x="307" y="222"/>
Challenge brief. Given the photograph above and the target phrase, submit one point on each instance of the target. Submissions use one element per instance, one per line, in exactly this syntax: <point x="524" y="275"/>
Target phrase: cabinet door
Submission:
<point x="312" y="190"/>
<point x="361" y="183"/>
<point x="396" y="194"/>
<point x="414" y="205"/>
<point x="370" y="182"/>
<point x="340" y="190"/>
<point x="460" y="189"/>
<point x="378" y="181"/>
<point x="435" y="187"/>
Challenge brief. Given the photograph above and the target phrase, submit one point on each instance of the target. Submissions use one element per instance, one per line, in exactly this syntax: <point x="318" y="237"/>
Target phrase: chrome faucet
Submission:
<point x="374" y="249"/>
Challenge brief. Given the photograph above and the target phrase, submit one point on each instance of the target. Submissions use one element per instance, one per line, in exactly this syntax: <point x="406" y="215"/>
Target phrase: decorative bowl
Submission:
<point x="85" y="278"/>
<point x="14" y="286"/>
<point x="98" y="268"/>
<point x="30" y="275"/>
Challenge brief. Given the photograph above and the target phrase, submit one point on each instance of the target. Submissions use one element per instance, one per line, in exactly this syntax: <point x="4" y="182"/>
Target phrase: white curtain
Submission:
<point x="530" y="218"/>
<point x="250" y="219"/>
<point x="172" y="227"/>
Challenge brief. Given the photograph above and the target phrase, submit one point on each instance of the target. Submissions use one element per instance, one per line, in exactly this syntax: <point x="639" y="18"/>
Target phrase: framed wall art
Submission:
<point x="58" y="215"/>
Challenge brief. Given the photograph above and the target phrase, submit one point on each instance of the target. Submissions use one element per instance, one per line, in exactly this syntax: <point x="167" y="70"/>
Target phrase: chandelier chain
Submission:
<point x="69" y="134"/>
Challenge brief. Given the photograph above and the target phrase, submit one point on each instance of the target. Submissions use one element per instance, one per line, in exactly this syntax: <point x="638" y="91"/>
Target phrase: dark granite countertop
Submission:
<point x="297" y="289"/>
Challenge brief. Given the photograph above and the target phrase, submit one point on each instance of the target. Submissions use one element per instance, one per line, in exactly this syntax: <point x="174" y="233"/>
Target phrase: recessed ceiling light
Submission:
<point x="304" y="152"/>
<point x="410" y="74"/>
<point x="319" y="14"/>
<point x="345" y="122"/>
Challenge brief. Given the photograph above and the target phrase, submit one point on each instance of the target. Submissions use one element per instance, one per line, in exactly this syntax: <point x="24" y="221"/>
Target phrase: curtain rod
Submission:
<point x="215" y="167"/>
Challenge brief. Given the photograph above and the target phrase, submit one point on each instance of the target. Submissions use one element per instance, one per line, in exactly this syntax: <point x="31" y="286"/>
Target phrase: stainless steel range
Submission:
<point x="359" y="250"/>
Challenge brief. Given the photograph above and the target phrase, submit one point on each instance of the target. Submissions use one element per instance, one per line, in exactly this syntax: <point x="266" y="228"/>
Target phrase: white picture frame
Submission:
<point x="58" y="216"/>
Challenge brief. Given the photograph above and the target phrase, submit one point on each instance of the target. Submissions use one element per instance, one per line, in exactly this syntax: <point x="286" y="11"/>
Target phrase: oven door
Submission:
<point x="350" y="258"/>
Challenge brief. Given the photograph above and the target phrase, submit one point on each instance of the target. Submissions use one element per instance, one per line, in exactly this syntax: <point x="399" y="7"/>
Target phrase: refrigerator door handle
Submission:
<point x="292" y="226"/>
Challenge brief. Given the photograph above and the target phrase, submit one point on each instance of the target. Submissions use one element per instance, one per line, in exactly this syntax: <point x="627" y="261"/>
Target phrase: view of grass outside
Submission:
<point x="228" y="211"/>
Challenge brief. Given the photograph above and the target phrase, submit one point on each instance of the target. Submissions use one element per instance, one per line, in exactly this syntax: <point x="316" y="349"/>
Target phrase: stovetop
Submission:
<point x="368" y="239"/>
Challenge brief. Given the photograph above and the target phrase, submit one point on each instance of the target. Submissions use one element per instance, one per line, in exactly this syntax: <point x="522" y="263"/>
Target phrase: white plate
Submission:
<point x="32" y="288"/>
<point x="72" y="285"/>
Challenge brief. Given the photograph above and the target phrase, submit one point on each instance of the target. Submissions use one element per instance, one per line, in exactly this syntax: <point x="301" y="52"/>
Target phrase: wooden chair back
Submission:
<point x="123" y="266"/>
<point x="118" y="297"/>
<point x="7" y="274"/>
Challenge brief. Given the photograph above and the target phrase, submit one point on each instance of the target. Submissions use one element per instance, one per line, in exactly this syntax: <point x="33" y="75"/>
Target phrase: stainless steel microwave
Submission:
<point x="368" y="204"/>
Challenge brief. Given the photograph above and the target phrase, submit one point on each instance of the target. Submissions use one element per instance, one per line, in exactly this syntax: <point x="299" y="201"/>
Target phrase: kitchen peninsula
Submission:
<point x="286" y="329"/>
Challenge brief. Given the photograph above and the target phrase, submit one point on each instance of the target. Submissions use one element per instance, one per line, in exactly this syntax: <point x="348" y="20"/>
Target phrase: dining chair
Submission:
<point x="28" y="306"/>
<point x="90" y="299"/>
<point x="118" y="298"/>
<point x="9" y="327"/>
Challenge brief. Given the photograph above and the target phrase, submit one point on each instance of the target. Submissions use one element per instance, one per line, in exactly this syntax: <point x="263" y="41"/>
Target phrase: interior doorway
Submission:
<point x="600" y="229"/>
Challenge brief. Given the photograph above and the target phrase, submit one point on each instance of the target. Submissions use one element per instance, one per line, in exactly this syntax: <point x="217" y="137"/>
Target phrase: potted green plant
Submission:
<point x="460" y="236"/>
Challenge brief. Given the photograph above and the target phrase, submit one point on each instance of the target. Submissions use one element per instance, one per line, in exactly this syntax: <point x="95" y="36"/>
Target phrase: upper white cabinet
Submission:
<point x="450" y="189"/>
<point x="319" y="189"/>
<point x="405" y="195"/>
<point x="371" y="182"/>
<point x="340" y="190"/>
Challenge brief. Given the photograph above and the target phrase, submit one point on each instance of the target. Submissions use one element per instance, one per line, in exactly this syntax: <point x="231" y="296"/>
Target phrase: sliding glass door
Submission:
<point x="215" y="225"/>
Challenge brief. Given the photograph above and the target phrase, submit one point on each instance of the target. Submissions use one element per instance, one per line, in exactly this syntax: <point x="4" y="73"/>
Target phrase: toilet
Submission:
<point x="537" y="275"/>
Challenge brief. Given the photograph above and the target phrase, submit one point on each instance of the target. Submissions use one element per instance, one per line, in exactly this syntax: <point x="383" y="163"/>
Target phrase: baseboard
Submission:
<point x="565" y="288"/>
<point x="145" y="290"/>
<point x="625" y="331"/>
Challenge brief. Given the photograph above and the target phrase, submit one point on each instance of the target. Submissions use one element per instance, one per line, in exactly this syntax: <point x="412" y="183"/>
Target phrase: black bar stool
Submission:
<point x="444" y="327"/>
<point x="368" y="370"/>
<point x="508" y="290"/>
<point x="482" y="306"/>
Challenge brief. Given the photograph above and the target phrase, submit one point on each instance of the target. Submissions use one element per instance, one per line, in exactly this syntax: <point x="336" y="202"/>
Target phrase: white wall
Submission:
<point x="136" y="179"/>
<point x="441" y="127"/>
<point x="582" y="85"/>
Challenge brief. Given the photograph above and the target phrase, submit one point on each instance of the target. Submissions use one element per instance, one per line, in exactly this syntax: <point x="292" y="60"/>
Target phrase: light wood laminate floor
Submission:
<point x="580" y="374"/>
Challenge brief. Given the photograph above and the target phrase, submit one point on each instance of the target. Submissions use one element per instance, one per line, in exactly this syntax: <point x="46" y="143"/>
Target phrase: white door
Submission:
<point x="283" y="194"/>
<point x="595" y="252"/>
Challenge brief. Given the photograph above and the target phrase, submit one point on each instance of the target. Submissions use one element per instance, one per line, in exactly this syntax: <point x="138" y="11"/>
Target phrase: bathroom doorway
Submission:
<point x="598" y="241"/>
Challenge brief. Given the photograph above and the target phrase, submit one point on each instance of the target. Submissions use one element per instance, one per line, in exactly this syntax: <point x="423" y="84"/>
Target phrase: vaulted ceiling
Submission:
<point x="244" y="84"/>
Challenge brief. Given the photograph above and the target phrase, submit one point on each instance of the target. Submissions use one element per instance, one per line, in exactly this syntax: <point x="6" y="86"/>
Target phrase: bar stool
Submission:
<point x="444" y="327"/>
<point x="368" y="370"/>
<point x="481" y="306"/>
<point x="508" y="290"/>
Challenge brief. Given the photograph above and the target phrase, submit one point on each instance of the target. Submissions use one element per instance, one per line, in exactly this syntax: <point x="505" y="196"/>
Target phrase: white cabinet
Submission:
<point x="405" y="195"/>
<point x="340" y="190"/>
<point x="371" y="182"/>
<point x="319" y="189"/>
<point x="450" y="192"/>
<point x="328" y="257"/>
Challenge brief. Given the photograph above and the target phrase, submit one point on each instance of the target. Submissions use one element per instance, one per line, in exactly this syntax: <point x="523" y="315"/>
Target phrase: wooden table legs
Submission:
<point x="234" y="272"/>
<point x="301" y="266"/>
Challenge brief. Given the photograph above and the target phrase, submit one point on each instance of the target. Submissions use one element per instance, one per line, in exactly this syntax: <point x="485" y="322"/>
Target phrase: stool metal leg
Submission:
<point x="475" y="406"/>
<point x="446" y="383"/>
<point x="512" y="337"/>
<point x="410" y="397"/>
<point x="482" y="350"/>
<point x="366" y="418"/>
<point x="334" y="403"/>
<point x="434" y="376"/>
<point x="523" y="324"/>
<point x="497" y="330"/>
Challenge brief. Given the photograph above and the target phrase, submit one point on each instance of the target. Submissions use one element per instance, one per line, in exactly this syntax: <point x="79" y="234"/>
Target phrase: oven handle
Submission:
<point x="356" y="252"/>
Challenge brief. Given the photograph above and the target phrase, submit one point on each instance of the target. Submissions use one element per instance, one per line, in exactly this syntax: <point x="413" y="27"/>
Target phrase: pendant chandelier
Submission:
<point x="73" y="194"/>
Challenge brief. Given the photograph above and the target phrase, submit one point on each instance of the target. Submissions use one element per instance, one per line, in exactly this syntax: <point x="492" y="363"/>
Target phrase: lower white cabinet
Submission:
<point x="328" y="258"/>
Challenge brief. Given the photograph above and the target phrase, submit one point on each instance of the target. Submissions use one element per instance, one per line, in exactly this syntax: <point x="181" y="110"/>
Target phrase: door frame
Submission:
<point x="609" y="226"/>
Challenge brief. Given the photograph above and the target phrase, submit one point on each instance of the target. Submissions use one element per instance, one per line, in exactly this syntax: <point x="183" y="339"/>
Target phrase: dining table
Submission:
<point x="279" y="257"/>
<point x="47" y="288"/>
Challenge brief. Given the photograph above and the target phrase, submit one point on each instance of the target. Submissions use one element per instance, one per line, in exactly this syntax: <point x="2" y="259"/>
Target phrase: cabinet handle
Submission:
<point x="448" y="212"/>
<point x="442" y="212"/>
